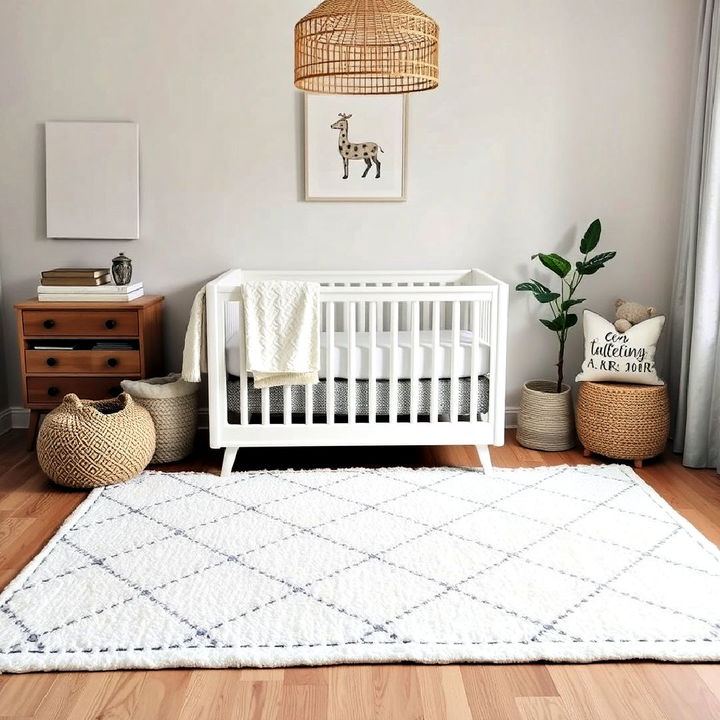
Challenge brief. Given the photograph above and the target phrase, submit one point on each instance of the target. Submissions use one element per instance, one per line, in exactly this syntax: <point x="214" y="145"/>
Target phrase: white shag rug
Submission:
<point x="434" y="565"/>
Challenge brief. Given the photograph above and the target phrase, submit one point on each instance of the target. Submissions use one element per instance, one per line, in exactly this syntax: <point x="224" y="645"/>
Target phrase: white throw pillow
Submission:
<point x="627" y="357"/>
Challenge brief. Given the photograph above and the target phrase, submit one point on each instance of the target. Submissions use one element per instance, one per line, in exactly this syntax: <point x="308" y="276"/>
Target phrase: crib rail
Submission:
<point x="469" y="307"/>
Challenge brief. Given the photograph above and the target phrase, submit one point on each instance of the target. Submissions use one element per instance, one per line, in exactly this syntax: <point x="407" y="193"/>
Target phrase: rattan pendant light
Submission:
<point x="366" y="47"/>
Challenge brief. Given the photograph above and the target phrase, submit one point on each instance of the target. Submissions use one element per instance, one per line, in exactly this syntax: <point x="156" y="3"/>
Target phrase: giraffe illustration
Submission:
<point x="367" y="151"/>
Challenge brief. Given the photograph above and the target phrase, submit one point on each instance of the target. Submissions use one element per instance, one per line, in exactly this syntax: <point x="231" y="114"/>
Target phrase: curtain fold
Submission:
<point x="694" y="319"/>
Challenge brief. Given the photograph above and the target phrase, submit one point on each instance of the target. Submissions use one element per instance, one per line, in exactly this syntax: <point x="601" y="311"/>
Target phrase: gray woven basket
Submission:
<point x="172" y="404"/>
<point x="545" y="420"/>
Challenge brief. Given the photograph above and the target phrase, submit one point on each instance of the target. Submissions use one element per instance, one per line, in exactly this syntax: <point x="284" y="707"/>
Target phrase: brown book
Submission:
<point x="75" y="281"/>
<point x="76" y="272"/>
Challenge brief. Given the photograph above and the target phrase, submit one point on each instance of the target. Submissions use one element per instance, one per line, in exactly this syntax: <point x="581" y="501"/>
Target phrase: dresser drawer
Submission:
<point x="80" y="323"/>
<point x="89" y="362"/>
<point x="50" y="391"/>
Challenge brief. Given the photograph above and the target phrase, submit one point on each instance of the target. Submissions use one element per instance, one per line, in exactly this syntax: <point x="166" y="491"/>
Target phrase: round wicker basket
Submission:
<point x="545" y="420"/>
<point x="90" y="443"/>
<point x="623" y="421"/>
<point x="172" y="404"/>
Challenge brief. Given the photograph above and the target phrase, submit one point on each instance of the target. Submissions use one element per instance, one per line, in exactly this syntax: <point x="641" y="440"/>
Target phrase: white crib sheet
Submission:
<point x="382" y="355"/>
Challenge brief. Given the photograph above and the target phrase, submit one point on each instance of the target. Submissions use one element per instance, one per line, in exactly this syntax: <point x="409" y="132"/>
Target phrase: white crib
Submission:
<point x="410" y="358"/>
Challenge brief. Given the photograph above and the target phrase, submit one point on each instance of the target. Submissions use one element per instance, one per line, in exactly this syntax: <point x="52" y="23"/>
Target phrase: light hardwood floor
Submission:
<point x="31" y="509"/>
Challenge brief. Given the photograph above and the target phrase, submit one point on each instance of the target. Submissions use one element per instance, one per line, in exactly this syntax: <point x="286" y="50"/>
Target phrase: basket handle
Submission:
<point x="72" y="402"/>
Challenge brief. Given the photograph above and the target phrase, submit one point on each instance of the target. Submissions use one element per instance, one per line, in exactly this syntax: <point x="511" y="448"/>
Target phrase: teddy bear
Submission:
<point x="630" y="313"/>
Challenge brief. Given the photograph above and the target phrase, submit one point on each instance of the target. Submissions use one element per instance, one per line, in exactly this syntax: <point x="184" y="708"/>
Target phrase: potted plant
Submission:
<point x="545" y="421"/>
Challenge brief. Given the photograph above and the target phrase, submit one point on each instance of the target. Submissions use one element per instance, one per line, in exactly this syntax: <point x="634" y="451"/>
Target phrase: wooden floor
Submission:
<point x="31" y="509"/>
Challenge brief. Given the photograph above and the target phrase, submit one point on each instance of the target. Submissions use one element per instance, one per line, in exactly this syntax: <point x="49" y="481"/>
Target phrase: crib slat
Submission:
<point x="454" y="357"/>
<point x="287" y="405"/>
<point x="474" y="360"/>
<point x="425" y="322"/>
<point x="329" y="374"/>
<point x="492" y="325"/>
<point x="361" y="313"/>
<point x="308" y="404"/>
<point x="414" y="358"/>
<point x="435" y="357"/>
<point x="372" y="371"/>
<point x="350" y="318"/>
<point x="393" y="384"/>
<point x="243" y="366"/>
<point x="265" y="405"/>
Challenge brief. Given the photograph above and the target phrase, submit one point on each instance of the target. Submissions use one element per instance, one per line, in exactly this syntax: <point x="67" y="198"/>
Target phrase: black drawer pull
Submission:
<point x="114" y="391"/>
<point x="112" y="362"/>
<point x="110" y="324"/>
<point x="47" y="324"/>
<point x="53" y="391"/>
<point x="51" y="362"/>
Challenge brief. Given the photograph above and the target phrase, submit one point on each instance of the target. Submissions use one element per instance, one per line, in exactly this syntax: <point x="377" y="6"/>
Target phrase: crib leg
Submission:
<point x="228" y="460"/>
<point x="485" y="461"/>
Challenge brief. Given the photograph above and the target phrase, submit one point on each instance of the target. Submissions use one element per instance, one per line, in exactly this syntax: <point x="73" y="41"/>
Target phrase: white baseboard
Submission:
<point x="19" y="418"/>
<point x="5" y="420"/>
<point x="15" y="418"/>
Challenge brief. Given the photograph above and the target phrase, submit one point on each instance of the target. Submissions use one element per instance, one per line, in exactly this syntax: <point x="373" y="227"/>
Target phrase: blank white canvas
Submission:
<point x="92" y="180"/>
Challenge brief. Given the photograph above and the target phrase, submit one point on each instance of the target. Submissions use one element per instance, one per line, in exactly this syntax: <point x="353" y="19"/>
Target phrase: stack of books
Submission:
<point x="84" y="285"/>
<point x="75" y="277"/>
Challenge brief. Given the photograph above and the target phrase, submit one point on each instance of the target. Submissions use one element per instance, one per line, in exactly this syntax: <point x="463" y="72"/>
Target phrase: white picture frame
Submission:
<point x="92" y="180"/>
<point x="375" y="131"/>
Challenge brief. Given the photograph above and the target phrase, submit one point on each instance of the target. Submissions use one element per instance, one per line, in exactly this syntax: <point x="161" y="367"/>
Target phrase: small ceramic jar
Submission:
<point x="122" y="269"/>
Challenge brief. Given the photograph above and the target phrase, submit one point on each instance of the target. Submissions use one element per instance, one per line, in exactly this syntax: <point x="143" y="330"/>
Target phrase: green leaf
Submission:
<point x="572" y="301"/>
<point x="591" y="237"/>
<point x="561" y="322"/>
<point x="542" y="294"/>
<point x="555" y="324"/>
<point x="594" y="263"/>
<point x="541" y="287"/>
<point x="570" y="320"/>
<point x="546" y="297"/>
<point x="559" y="265"/>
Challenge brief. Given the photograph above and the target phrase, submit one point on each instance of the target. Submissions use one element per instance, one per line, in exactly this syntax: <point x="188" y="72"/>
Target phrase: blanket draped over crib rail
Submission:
<point x="195" y="349"/>
<point x="282" y="332"/>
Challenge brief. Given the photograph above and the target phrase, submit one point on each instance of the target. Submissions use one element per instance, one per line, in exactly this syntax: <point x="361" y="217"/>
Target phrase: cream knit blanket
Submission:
<point x="195" y="348"/>
<point x="282" y="332"/>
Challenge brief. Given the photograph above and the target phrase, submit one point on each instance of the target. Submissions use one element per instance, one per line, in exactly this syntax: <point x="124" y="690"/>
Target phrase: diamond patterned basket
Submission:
<point x="90" y="443"/>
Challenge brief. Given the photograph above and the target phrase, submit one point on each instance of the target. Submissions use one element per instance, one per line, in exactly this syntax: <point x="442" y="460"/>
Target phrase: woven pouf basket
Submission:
<point x="90" y="443"/>
<point x="622" y="421"/>
<point x="172" y="404"/>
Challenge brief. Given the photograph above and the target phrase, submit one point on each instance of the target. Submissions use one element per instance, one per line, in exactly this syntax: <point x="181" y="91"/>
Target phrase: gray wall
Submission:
<point x="550" y="113"/>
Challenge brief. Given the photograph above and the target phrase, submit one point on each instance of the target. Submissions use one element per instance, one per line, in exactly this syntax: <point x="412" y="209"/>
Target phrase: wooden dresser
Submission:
<point x="88" y="369"/>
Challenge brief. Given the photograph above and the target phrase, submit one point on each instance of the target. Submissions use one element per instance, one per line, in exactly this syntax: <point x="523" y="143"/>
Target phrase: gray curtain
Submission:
<point x="694" y="322"/>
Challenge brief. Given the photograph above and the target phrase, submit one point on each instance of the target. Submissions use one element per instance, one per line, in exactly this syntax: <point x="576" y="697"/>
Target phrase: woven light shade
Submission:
<point x="366" y="47"/>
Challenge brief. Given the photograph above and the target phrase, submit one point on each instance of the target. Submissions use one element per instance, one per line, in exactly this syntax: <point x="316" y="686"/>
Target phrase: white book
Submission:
<point x="89" y="289"/>
<point x="68" y="297"/>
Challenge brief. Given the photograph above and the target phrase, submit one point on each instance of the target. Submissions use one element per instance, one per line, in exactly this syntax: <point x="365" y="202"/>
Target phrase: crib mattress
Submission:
<point x="362" y="395"/>
<point x="382" y="355"/>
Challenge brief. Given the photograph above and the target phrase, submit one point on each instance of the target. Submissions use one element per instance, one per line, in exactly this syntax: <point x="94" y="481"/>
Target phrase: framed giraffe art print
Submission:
<point x="355" y="147"/>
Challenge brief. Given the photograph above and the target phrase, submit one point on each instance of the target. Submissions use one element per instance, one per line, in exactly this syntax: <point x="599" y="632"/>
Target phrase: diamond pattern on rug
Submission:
<point x="483" y="623"/>
<point x="366" y="565"/>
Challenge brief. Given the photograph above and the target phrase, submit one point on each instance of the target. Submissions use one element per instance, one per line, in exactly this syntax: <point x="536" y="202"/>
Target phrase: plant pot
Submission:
<point x="546" y="421"/>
